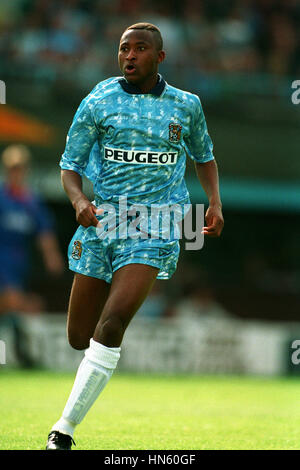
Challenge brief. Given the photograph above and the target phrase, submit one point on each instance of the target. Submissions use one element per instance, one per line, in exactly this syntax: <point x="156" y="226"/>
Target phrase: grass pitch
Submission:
<point x="153" y="412"/>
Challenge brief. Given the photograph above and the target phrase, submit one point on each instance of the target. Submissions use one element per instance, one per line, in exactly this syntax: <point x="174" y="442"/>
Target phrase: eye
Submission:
<point x="141" y="48"/>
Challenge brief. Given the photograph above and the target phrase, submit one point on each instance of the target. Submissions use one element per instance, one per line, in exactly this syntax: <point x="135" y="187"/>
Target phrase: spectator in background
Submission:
<point x="22" y="218"/>
<point x="71" y="43"/>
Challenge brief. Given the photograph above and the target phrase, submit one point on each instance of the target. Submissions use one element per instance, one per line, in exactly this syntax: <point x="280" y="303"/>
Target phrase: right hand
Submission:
<point x="85" y="213"/>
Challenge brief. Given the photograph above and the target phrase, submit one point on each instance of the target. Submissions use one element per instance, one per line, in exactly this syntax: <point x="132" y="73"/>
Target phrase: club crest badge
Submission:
<point x="174" y="132"/>
<point x="77" y="250"/>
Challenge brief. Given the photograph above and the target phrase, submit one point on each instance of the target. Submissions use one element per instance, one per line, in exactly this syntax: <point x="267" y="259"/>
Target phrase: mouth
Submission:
<point x="129" y="69"/>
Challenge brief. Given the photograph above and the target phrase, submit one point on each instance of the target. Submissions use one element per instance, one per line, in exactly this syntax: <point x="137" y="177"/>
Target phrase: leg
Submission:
<point x="130" y="286"/>
<point x="87" y="299"/>
<point x="13" y="303"/>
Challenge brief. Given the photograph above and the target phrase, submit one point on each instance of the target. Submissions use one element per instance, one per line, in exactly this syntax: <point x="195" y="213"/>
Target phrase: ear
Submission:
<point x="161" y="56"/>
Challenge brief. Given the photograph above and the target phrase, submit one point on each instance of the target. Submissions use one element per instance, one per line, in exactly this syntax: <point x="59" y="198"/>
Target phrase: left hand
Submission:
<point x="55" y="264"/>
<point x="215" y="221"/>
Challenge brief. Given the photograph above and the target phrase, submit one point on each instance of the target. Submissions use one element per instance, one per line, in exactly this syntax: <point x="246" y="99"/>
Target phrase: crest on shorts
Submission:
<point x="174" y="132"/>
<point x="76" y="250"/>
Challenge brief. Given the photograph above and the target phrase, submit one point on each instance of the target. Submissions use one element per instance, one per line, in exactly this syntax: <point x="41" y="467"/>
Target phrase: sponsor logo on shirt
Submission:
<point x="140" y="156"/>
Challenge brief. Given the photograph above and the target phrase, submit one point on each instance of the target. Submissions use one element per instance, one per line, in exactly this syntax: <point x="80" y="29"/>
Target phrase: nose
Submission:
<point x="131" y="55"/>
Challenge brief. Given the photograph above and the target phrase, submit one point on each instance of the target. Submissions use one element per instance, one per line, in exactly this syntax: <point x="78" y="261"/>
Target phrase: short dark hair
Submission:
<point x="149" y="27"/>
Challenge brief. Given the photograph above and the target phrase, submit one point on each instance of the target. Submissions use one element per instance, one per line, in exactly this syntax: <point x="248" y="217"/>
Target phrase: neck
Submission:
<point x="16" y="187"/>
<point x="148" y="84"/>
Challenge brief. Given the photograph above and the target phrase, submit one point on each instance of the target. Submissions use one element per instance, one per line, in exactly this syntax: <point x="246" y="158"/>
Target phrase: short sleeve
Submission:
<point x="43" y="217"/>
<point x="199" y="143"/>
<point x="80" y="139"/>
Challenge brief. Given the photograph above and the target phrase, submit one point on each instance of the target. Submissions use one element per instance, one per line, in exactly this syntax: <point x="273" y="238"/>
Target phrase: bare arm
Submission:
<point x="48" y="245"/>
<point x="85" y="210"/>
<point x="208" y="176"/>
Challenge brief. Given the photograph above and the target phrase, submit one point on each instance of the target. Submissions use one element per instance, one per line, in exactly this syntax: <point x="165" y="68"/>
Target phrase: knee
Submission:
<point x="77" y="340"/>
<point x="111" y="331"/>
<point x="113" y="326"/>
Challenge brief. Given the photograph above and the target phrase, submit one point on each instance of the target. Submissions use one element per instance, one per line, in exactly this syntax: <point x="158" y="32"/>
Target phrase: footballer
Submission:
<point x="130" y="136"/>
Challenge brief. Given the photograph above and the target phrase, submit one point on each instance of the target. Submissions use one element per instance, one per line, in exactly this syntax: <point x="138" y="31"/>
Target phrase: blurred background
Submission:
<point x="238" y="298"/>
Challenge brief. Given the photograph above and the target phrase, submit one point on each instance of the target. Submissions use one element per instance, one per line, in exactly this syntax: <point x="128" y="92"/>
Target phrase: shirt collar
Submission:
<point x="134" y="90"/>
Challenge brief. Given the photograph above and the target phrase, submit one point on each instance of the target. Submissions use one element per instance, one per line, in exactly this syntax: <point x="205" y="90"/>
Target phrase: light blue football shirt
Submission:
<point x="135" y="144"/>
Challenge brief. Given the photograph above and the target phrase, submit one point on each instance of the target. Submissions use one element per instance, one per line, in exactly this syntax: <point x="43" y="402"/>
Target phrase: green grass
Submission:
<point x="155" y="412"/>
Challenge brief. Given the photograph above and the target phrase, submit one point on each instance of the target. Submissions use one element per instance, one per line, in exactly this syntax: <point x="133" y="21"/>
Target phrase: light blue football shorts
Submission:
<point x="101" y="257"/>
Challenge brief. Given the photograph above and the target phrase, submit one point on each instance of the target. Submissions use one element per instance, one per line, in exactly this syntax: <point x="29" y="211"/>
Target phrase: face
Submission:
<point x="139" y="56"/>
<point x="16" y="175"/>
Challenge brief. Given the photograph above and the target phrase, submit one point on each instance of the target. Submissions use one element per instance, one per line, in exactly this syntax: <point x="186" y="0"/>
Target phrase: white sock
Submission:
<point x="94" y="372"/>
